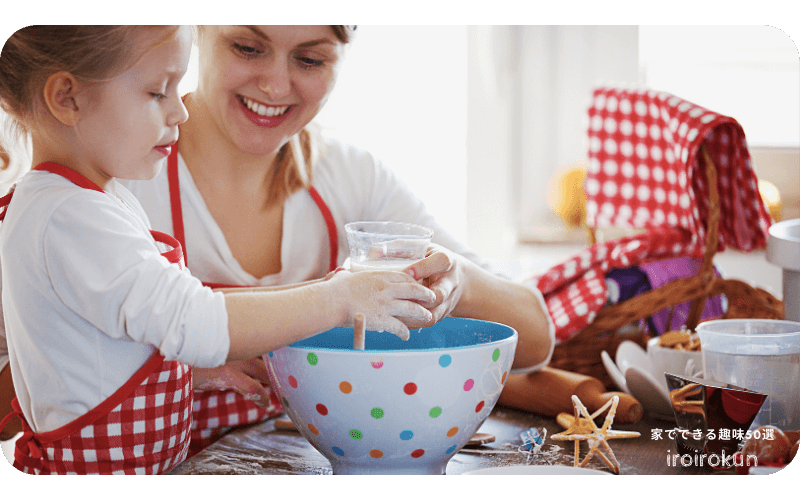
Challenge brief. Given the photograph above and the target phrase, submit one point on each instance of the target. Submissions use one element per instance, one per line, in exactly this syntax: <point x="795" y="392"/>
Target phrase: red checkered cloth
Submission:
<point x="645" y="171"/>
<point x="146" y="433"/>
<point x="217" y="412"/>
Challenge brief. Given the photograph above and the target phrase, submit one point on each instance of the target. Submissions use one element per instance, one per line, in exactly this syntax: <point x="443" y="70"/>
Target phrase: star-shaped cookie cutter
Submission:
<point x="584" y="429"/>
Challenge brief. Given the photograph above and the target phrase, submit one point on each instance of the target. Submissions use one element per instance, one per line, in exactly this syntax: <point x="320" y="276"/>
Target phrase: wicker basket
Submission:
<point x="581" y="352"/>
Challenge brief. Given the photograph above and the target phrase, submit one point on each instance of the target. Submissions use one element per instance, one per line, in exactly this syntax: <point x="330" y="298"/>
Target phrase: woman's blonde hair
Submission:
<point x="294" y="163"/>
<point x="92" y="54"/>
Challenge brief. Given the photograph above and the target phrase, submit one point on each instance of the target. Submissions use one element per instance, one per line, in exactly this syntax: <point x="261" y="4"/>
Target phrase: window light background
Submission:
<point x="405" y="102"/>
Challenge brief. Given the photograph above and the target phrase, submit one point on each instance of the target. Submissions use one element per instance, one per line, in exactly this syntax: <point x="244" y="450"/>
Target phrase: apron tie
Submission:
<point x="28" y="451"/>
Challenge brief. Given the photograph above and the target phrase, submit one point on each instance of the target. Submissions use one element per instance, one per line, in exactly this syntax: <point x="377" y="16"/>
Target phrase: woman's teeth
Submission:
<point x="262" y="110"/>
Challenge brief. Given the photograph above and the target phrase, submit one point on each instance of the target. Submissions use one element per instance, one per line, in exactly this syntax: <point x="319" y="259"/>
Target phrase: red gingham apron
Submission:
<point x="645" y="171"/>
<point x="216" y="412"/>
<point x="143" y="428"/>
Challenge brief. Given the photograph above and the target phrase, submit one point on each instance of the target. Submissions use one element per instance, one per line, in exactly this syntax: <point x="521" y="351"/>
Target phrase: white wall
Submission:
<point x="528" y="89"/>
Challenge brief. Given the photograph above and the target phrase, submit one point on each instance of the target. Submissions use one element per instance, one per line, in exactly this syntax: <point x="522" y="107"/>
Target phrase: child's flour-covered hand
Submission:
<point x="388" y="300"/>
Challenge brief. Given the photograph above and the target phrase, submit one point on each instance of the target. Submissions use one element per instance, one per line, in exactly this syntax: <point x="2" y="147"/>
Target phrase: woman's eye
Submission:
<point x="158" y="96"/>
<point x="246" y="50"/>
<point x="309" y="62"/>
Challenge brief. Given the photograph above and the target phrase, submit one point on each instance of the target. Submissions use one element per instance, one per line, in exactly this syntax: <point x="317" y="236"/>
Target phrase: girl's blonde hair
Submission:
<point x="91" y="54"/>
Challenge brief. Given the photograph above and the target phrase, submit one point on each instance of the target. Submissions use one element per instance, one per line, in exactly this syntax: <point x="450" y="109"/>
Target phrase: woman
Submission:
<point x="259" y="199"/>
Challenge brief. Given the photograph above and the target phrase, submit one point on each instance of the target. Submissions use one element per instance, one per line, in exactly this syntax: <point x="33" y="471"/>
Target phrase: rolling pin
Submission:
<point x="549" y="392"/>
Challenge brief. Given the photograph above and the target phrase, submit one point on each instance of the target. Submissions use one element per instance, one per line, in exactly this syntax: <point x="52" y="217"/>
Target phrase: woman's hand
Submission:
<point x="464" y="289"/>
<point x="443" y="272"/>
<point x="390" y="301"/>
<point x="248" y="378"/>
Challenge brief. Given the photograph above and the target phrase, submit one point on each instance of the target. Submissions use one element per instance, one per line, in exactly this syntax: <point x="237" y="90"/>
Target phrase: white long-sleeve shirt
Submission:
<point x="87" y="299"/>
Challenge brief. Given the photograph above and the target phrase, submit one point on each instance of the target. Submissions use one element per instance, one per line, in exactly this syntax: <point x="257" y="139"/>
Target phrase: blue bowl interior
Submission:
<point x="446" y="334"/>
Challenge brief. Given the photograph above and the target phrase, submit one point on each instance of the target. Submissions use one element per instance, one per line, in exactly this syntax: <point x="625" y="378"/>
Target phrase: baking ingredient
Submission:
<point x="681" y="340"/>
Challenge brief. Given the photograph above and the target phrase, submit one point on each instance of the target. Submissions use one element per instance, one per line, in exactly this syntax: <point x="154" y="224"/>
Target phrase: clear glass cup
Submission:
<point x="386" y="246"/>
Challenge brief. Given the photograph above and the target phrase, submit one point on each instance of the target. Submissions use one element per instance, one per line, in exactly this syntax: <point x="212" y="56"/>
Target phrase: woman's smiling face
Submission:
<point x="263" y="84"/>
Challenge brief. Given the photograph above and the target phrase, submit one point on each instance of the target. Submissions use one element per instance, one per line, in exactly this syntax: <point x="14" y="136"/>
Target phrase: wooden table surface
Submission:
<point x="261" y="449"/>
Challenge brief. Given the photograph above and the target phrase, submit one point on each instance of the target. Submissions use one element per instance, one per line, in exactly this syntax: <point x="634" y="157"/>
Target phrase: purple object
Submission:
<point x="662" y="272"/>
<point x="626" y="283"/>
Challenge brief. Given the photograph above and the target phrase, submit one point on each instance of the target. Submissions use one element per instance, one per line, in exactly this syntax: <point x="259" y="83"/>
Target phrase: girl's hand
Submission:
<point x="390" y="301"/>
<point x="444" y="274"/>
<point x="248" y="378"/>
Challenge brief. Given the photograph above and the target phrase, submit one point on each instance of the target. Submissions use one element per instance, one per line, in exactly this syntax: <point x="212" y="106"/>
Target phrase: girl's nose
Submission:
<point x="178" y="114"/>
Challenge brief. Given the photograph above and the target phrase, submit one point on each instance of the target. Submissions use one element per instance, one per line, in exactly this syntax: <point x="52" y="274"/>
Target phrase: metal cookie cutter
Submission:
<point x="711" y="415"/>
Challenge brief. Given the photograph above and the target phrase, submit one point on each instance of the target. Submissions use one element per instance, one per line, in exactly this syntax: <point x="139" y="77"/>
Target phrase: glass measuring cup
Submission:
<point x="386" y="245"/>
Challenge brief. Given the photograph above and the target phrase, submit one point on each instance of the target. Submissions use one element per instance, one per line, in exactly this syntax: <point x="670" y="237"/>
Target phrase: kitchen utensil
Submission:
<point x="783" y="249"/>
<point x="359" y="330"/>
<point x="631" y="354"/>
<point x="549" y="392"/>
<point x="634" y="373"/>
<point x="760" y="355"/>
<point x="670" y="360"/>
<point x="397" y="407"/>
<point x="704" y="408"/>
<point x="616" y="375"/>
<point x="649" y="392"/>
<point x="384" y="245"/>
<point x="478" y="439"/>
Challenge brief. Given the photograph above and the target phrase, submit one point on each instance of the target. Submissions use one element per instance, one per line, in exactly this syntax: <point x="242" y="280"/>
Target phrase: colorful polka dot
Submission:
<point x="479" y="407"/>
<point x="313" y="429"/>
<point x="451" y="449"/>
<point x="496" y="355"/>
<point x="410" y="388"/>
<point x="312" y="359"/>
<point x="345" y="387"/>
<point x="322" y="409"/>
<point x="406" y="435"/>
<point x="355" y="434"/>
<point x="293" y="382"/>
<point x="270" y="354"/>
<point x="375" y="453"/>
<point x="376" y="413"/>
<point x="417" y="453"/>
<point x="445" y="360"/>
<point x="338" y="451"/>
<point x="452" y="432"/>
<point x="502" y="380"/>
<point x="469" y="384"/>
<point x="435" y="411"/>
<point x="376" y="362"/>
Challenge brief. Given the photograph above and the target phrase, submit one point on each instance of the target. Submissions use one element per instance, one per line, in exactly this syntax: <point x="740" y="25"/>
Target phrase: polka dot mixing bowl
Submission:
<point x="396" y="407"/>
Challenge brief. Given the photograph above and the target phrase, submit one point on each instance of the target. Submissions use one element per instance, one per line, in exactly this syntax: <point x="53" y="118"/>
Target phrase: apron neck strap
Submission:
<point x="69" y="174"/>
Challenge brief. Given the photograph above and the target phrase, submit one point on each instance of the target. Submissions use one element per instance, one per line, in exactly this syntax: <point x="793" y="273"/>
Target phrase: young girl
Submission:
<point x="101" y="322"/>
